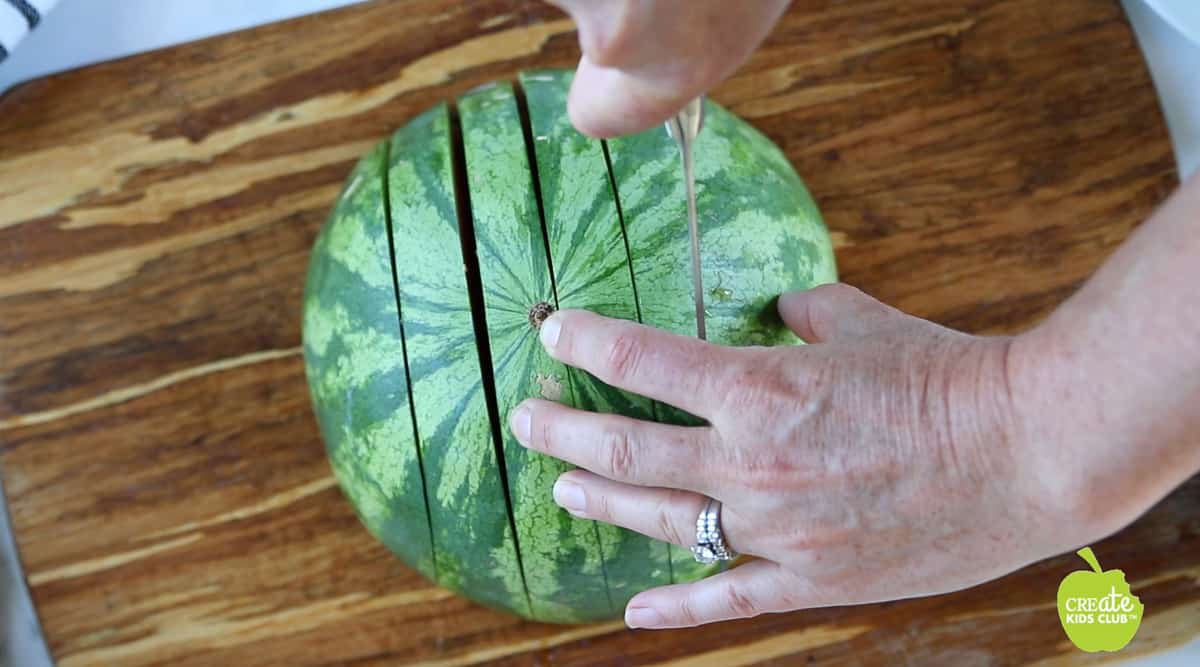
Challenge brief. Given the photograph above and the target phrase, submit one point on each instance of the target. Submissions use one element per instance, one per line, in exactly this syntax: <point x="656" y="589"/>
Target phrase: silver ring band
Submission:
<point x="710" y="542"/>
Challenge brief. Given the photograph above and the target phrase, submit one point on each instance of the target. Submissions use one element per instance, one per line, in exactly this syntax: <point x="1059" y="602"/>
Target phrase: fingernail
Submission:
<point x="551" y="328"/>
<point x="521" y="423"/>
<point x="569" y="496"/>
<point x="642" y="617"/>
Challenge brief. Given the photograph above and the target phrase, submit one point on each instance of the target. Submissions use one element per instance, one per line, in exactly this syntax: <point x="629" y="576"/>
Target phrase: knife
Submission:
<point x="684" y="127"/>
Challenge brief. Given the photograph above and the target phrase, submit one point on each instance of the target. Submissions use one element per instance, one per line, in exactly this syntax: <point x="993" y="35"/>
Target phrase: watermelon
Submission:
<point x="448" y="244"/>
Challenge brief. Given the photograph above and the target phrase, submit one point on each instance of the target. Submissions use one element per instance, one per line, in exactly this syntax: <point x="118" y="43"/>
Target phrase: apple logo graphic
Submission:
<point x="1096" y="608"/>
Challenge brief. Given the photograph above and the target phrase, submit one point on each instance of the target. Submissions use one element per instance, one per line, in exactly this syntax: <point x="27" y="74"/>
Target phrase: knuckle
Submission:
<point x="823" y="303"/>
<point x="838" y="292"/>
<point x="766" y="391"/>
<point x="623" y="356"/>
<point x="817" y="549"/>
<point x="755" y="386"/>
<point x="544" y="434"/>
<point x="617" y="452"/>
<point x="738" y="602"/>
<point x="741" y="388"/>
<point x="668" y="526"/>
<point x="600" y="507"/>
<point x="769" y="471"/>
<point x="761" y="479"/>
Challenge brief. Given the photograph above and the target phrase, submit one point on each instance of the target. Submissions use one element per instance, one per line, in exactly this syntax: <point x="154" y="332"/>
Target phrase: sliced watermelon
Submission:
<point x="448" y="245"/>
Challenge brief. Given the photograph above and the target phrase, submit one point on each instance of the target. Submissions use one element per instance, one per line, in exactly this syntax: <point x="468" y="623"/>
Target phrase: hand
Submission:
<point x="644" y="59"/>
<point x="884" y="460"/>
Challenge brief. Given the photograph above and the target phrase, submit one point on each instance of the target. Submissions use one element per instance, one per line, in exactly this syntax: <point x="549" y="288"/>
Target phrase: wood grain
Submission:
<point x="976" y="160"/>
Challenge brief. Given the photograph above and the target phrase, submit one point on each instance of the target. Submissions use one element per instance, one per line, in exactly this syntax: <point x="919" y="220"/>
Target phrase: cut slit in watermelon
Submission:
<point x="573" y="397"/>
<point x="560" y="555"/>
<point x="384" y="165"/>
<point x="354" y="362"/>
<point x="592" y="272"/>
<point x="466" y="226"/>
<point x="475" y="552"/>
<point x="657" y="409"/>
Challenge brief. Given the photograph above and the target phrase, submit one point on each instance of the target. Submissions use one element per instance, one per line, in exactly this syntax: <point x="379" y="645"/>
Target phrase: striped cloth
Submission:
<point x="17" y="18"/>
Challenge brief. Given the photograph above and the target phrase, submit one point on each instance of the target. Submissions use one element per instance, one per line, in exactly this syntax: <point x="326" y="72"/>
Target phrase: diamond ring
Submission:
<point x="710" y="543"/>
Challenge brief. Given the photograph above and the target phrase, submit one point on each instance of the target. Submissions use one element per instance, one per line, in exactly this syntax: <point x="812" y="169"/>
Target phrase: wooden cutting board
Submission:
<point x="976" y="160"/>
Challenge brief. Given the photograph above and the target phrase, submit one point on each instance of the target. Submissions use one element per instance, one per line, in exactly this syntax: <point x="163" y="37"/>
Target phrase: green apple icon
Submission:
<point x="1097" y="610"/>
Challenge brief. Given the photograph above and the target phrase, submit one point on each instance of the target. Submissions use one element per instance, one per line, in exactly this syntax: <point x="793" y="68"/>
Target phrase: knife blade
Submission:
<point x="684" y="127"/>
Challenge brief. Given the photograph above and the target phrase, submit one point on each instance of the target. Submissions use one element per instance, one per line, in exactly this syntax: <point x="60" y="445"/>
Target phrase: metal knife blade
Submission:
<point x="684" y="128"/>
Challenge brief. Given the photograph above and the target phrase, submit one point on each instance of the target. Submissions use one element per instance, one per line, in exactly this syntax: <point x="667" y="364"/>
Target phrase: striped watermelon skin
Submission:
<point x="412" y="403"/>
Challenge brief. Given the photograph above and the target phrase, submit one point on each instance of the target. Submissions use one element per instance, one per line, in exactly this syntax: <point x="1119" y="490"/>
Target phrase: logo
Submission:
<point x="1096" y="608"/>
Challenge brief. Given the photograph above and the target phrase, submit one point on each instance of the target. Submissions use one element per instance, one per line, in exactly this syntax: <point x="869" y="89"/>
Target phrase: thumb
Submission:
<point x="609" y="102"/>
<point x="835" y="311"/>
<point x="644" y="59"/>
<point x="629" y="78"/>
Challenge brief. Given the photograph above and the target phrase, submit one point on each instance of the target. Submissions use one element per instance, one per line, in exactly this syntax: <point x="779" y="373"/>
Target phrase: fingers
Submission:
<point x="664" y="514"/>
<point x="643" y="59"/>
<point x="687" y="373"/>
<point x="754" y="588"/>
<point x="619" y="448"/>
<point x="833" y="311"/>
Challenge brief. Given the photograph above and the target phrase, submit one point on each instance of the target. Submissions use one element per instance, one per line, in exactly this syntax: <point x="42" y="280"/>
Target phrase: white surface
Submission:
<point x="79" y="32"/>
<point x="42" y="5"/>
<point x="1174" y="58"/>
<point x="13" y="26"/>
<point x="1184" y="656"/>
<point x="1183" y="15"/>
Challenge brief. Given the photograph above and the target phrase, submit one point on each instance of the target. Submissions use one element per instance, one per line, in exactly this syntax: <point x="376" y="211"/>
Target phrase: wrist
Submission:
<point x="1049" y="502"/>
<point x="1057" y="448"/>
<point x="1108" y="385"/>
<point x="1083" y="428"/>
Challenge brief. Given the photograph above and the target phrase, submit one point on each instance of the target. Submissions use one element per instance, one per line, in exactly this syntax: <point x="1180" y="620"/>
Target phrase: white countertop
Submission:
<point x="80" y="32"/>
